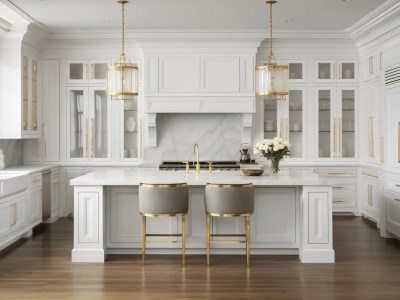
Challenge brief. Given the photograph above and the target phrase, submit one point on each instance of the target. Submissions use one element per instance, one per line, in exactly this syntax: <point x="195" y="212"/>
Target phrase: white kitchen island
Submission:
<point x="292" y="215"/>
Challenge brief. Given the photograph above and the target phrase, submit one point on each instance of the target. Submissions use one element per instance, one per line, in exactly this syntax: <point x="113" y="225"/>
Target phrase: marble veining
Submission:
<point x="12" y="150"/>
<point x="218" y="136"/>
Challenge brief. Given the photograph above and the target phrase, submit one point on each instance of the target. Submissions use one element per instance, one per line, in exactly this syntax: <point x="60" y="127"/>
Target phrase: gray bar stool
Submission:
<point x="163" y="200"/>
<point x="229" y="200"/>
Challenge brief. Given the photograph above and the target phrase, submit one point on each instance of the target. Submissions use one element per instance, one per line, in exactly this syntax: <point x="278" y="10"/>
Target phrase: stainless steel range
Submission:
<point x="216" y="165"/>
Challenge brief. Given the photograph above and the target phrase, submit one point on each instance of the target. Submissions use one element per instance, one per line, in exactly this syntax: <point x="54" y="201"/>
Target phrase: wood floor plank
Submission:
<point x="367" y="267"/>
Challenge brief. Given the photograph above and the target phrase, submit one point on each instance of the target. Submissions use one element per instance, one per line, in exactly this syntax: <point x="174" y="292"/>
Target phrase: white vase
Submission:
<point x="130" y="124"/>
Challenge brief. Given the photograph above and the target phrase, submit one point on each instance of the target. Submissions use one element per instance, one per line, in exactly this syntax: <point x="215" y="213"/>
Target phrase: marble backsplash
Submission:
<point x="12" y="150"/>
<point x="218" y="136"/>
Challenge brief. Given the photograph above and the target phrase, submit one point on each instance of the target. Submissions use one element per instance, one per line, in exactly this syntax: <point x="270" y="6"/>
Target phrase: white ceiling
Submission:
<point x="197" y="14"/>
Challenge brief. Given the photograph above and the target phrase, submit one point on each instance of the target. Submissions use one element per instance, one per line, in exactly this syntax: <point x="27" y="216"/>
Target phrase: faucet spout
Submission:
<point x="197" y="152"/>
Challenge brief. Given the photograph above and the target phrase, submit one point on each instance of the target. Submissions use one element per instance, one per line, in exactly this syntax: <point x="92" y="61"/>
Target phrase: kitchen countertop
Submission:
<point x="29" y="169"/>
<point x="136" y="176"/>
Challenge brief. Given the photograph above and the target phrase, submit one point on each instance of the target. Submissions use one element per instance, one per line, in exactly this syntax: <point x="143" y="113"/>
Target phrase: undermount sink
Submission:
<point x="12" y="182"/>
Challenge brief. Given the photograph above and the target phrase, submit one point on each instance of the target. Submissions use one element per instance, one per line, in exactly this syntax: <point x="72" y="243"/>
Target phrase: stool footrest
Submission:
<point x="227" y="235"/>
<point x="163" y="242"/>
<point x="228" y="242"/>
<point x="160" y="234"/>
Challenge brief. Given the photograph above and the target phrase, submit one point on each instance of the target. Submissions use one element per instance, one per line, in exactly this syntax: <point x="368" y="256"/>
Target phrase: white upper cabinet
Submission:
<point x="199" y="74"/>
<point x="87" y="71"/>
<point x="88" y="124"/>
<point x="331" y="71"/>
<point x="371" y="65"/>
<point x="287" y="120"/>
<point x="297" y="71"/>
<point x="393" y="127"/>
<point x="336" y="135"/>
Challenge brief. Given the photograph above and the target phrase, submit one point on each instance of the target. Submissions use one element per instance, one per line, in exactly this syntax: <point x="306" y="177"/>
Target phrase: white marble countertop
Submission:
<point x="136" y="176"/>
<point x="28" y="168"/>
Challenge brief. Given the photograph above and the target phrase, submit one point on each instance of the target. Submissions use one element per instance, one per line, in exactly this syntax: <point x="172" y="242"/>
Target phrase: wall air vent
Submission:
<point x="392" y="76"/>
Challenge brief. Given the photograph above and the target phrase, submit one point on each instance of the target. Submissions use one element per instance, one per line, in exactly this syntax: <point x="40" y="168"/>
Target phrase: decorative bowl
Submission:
<point x="252" y="172"/>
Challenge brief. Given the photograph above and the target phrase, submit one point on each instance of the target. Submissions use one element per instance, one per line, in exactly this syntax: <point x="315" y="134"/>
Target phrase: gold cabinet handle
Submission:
<point x="334" y="71"/>
<point x="87" y="138"/>
<point x="338" y="187"/>
<point x="398" y="185"/>
<point x="370" y="203"/>
<point x="371" y="137"/>
<point x="14" y="214"/>
<point x="370" y="175"/>
<point x="334" y="138"/>
<point x="338" y="201"/>
<point x="92" y="125"/>
<point x="397" y="199"/>
<point x="340" y="71"/>
<point x="141" y="138"/>
<point x="382" y="149"/>
<point x="340" y="138"/>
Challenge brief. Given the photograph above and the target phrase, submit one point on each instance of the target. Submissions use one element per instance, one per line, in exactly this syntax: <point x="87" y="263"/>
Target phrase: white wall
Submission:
<point x="218" y="137"/>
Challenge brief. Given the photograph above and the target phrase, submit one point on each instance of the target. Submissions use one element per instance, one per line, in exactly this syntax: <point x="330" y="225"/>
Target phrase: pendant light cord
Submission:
<point x="123" y="33"/>
<point x="271" y="54"/>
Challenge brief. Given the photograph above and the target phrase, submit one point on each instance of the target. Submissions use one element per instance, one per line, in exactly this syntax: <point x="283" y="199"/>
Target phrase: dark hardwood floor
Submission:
<point x="368" y="267"/>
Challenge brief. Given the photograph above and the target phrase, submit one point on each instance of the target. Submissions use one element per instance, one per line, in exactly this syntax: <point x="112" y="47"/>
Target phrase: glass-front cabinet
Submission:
<point x="131" y="130"/>
<point x="287" y="119"/>
<point x="87" y="71"/>
<point x="88" y="124"/>
<point x="336" y="71"/>
<point x="336" y="121"/>
<point x="30" y="109"/>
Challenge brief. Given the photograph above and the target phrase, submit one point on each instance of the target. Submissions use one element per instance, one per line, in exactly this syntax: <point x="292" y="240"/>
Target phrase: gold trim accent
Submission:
<point x="163" y="185"/>
<point x="227" y="215"/>
<point x="338" y="201"/>
<point x="338" y="187"/>
<point x="122" y="67"/>
<point x="232" y="185"/>
<point x="334" y="137"/>
<point x="272" y="67"/>
<point x="164" y="215"/>
<point x="197" y="152"/>
<point x="272" y="94"/>
<point x="370" y="175"/>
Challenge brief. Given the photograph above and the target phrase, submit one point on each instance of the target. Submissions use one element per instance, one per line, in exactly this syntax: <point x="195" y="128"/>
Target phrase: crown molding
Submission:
<point x="377" y="16"/>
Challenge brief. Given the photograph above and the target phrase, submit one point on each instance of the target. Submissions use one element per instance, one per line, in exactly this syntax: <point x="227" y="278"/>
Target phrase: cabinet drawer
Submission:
<point x="343" y="190"/>
<point x="343" y="201"/>
<point x="35" y="180"/>
<point x="345" y="173"/>
<point x="393" y="212"/>
<point x="393" y="183"/>
<point x="370" y="175"/>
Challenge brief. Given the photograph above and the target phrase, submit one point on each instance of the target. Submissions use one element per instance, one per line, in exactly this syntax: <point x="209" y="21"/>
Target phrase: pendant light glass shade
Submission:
<point x="271" y="78"/>
<point x="123" y="76"/>
<point x="272" y="81"/>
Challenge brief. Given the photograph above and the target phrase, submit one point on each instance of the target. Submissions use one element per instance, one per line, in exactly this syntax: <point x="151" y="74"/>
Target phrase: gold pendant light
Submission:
<point x="271" y="78"/>
<point x="123" y="76"/>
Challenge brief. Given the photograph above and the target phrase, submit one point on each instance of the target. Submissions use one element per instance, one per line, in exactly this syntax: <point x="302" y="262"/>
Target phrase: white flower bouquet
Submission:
<point x="274" y="150"/>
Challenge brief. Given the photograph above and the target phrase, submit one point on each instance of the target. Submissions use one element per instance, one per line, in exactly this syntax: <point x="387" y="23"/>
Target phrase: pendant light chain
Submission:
<point x="271" y="54"/>
<point x="123" y="33"/>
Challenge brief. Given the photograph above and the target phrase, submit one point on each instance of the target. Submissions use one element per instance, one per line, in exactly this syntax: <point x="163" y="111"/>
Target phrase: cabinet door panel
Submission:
<point x="5" y="218"/>
<point x="326" y="123"/>
<point x="99" y="125"/>
<point x="347" y="123"/>
<point x="88" y="210"/>
<point x="35" y="205"/>
<point x="393" y="127"/>
<point x="220" y="74"/>
<point x="179" y="74"/>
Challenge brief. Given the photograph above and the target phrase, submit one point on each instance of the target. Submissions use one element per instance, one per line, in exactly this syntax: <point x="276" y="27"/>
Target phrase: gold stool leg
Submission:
<point x="143" y="238"/>
<point x="247" y="220"/>
<point x="208" y="217"/>
<point x="183" y="239"/>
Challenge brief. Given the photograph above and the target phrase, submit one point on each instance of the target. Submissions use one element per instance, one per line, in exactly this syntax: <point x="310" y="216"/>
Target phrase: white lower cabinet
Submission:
<point x="370" y="194"/>
<point x="273" y="225"/>
<point x="13" y="218"/>
<point x="55" y="193"/>
<point x="392" y="200"/>
<point x="35" y="199"/>
<point x="344" y="188"/>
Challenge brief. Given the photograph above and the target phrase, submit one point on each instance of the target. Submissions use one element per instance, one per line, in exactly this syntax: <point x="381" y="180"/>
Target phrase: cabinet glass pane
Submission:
<point x="77" y="71"/>
<point x="99" y="125"/>
<point x="130" y="129"/>
<point x="295" y="71"/>
<point x="34" y="125"/>
<point x="77" y="123"/>
<point x="347" y="142"/>
<point x="99" y="71"/>
<point x="348" y="71"/>
<point x="25" y="93"/>
<point x="324" y="121"/>
<point x="270" y="119"/>
<point x="296" y="122"/>
<point x="324" y="71"/>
